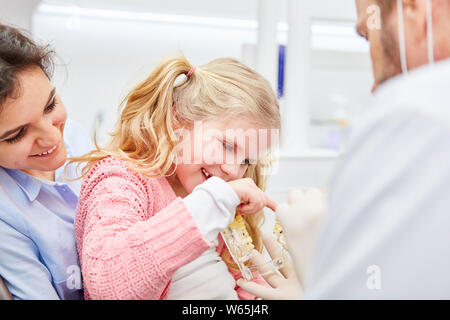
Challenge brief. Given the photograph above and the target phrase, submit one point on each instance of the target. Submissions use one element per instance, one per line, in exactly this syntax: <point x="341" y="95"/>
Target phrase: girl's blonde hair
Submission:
<point x="145" y="137"/>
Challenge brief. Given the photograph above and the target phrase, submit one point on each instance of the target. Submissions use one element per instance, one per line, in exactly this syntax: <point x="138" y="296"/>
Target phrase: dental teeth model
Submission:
<point x="278" y="232"/>
<point x="240" y="246"/>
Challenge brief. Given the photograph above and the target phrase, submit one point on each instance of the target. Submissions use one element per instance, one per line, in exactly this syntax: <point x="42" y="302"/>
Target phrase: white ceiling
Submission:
<point x="238" y="9"/>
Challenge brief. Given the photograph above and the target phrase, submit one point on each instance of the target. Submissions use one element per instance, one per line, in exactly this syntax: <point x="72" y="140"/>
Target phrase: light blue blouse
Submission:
<point x="38" y="257"/>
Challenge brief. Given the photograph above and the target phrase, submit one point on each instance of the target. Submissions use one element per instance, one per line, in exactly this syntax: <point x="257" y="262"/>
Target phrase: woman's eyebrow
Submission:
<point x="9" y="132"/>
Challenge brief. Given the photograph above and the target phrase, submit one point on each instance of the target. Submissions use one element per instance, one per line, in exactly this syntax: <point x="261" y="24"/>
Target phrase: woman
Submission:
<point x="38" y="258"/>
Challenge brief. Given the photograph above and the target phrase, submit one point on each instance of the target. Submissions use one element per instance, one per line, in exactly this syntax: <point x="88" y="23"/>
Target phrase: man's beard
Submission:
<point x="391" y="54"/>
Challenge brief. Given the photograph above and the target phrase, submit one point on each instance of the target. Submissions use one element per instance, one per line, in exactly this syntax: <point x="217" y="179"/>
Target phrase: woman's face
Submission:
<point x="32" y="126"/>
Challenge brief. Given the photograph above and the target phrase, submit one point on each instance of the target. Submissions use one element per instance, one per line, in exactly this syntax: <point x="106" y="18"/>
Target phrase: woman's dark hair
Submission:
<point x="17" y="53"/>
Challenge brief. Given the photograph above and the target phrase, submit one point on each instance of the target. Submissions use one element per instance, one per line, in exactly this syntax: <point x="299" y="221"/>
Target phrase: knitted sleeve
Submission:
<point x="126" y="250"/>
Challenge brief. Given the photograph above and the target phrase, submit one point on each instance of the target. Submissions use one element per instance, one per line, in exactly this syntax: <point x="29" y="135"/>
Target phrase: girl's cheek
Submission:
<point x="213" y="156"/>
<point x="184" y="152"/>
<point x="211" y="153"/>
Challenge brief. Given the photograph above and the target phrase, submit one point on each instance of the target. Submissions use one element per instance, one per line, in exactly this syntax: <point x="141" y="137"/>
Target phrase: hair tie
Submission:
<point x="191" y="72"/>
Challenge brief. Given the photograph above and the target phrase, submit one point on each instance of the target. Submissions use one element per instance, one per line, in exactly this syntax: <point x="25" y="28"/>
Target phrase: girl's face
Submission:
<point x="219" y="148"/>
<point x="32" y="126"/>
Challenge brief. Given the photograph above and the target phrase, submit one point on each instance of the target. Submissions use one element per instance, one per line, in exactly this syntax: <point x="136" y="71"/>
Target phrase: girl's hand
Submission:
<point x="253" y="199"/>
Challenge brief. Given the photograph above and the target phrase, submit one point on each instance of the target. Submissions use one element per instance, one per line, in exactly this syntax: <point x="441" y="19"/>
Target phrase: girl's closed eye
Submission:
<point x="230" y="147"/>
<point x="227" y="146"/>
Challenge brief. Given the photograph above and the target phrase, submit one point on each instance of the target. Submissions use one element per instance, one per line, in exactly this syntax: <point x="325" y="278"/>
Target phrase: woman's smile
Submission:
<point x="47" y="154"/>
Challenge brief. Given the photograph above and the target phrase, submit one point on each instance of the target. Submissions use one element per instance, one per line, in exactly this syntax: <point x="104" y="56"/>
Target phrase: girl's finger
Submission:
<point x="271" y="204"/>
<point x="249" y="208"/>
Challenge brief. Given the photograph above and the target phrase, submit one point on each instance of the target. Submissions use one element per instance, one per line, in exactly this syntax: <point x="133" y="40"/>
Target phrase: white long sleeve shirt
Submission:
<point x="212" y="204"/>
<point x="387" y="233"/>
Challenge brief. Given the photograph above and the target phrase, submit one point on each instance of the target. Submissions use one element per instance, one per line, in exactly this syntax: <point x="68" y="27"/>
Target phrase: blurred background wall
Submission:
<point x="104" y="47"/>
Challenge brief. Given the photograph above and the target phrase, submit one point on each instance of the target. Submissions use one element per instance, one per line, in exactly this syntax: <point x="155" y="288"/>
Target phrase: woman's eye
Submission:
<point x="51" y="107"/>
<point x="246" y="162"/>
<point x="17" y="137"/>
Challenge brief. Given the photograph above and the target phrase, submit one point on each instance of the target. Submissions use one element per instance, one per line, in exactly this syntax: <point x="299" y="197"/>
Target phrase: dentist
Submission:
<point x="386" y="234"/>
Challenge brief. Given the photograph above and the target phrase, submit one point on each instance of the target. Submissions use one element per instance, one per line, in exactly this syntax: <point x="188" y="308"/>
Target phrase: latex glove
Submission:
<point x="301" y="220"/>
<point x="284" y="285"/>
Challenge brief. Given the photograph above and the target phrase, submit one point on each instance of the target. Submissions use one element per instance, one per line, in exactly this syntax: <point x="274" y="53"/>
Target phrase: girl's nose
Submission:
<point x="231" y="171"/>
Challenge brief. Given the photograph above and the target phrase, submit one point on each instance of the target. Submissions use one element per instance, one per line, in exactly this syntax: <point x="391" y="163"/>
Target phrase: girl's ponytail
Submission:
<point x="148" y="117"/>
<point x="144" y="134"/>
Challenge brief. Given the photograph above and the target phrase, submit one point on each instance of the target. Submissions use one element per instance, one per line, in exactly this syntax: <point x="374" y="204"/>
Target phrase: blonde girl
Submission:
<point x="155" y="199"/>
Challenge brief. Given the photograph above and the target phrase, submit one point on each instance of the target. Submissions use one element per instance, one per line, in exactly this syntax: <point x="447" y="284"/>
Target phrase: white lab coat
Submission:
<point x="387" y="232"/>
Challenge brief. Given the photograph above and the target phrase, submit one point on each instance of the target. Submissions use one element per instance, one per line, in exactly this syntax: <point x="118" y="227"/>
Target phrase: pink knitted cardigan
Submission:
<point x="133" y="233"/>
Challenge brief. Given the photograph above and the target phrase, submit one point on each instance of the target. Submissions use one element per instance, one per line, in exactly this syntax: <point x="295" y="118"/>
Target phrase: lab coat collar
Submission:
<point x="425" y="76"/>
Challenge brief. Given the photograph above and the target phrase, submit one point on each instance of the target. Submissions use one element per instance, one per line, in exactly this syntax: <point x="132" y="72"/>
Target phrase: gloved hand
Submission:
<point x="284" y="284"/>
<point x="301" y="220"/>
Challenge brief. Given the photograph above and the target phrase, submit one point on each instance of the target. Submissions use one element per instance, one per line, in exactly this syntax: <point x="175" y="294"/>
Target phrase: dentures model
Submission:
<point x="240" y="244"/>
